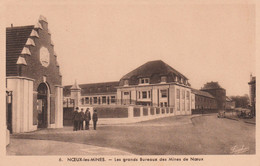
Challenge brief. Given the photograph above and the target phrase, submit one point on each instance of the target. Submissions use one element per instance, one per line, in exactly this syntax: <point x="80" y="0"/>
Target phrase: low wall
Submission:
<point x="124" y="114"/>
<point x="204" y="111"/>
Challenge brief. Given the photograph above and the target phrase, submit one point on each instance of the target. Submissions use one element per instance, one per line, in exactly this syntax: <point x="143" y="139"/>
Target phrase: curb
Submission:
<point x="241" y="120"/>
<point x="232" y="118"/>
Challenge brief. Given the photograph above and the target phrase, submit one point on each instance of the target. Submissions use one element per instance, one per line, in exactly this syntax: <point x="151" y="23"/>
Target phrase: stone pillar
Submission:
<point x="75" y="94"/>
<point x="130" y="112"/>
<point x="58" y="107"/>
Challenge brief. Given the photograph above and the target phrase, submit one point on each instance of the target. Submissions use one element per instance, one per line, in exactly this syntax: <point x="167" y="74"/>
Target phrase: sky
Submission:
<point x="101" y="42"/>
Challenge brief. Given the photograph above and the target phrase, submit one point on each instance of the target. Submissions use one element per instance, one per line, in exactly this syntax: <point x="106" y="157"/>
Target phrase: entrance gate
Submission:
<point x="42" y="105"/>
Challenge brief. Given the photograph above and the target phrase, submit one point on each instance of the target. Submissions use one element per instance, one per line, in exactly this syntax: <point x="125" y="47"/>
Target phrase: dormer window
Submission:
<point x="163" y="79"/>
<point x="144" y="81"/>
<point x="126" y="82"/>
<point x="176" y="79"/>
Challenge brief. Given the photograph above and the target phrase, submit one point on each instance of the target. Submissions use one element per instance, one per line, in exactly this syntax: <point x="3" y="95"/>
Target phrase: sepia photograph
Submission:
<point x="137" y="82"/>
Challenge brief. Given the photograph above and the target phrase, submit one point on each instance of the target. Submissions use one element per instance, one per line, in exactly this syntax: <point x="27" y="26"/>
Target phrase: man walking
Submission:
<point x="95" y="119"/>
<point x="87" y="118"/>
<point x="74" y="117"/>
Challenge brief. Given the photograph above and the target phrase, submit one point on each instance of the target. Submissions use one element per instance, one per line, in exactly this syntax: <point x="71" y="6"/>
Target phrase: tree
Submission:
<point x="241" y="101"/>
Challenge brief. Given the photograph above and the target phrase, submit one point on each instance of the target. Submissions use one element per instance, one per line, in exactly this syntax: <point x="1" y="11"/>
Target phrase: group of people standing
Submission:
<point x="79" y="117"/>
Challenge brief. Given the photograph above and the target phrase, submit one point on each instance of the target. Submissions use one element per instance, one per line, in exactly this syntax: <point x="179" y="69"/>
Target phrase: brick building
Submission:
<point x="33" y="79"/>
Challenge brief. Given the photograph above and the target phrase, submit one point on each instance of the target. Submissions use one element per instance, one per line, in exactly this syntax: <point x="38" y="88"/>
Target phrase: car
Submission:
<point x="244" y="113"/>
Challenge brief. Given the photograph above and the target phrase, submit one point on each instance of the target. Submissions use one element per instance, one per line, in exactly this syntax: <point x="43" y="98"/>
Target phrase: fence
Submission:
<point x="67" y="102"/>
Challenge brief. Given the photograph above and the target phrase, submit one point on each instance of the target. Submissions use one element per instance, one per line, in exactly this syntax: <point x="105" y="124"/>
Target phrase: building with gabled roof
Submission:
<point x="33" y="78"/>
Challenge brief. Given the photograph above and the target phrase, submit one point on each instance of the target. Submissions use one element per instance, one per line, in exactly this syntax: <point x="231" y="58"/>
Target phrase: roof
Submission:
<point x="211" y="85"/>
<point x="253" y="80"/>
<point x="152" y="67"/>
<point x="201" y="93"/>
<point x="228" y="99"/>
<point x="94" y="88"/>
<point x="16" y="38"/>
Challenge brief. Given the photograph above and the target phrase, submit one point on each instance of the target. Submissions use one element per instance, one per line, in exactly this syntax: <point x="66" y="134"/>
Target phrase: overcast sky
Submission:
<point x="102" y="42"/>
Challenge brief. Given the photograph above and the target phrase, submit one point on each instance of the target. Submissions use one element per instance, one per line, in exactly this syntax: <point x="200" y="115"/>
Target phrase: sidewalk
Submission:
<point x="46" y="147"/>
<point x="250" y="121"/>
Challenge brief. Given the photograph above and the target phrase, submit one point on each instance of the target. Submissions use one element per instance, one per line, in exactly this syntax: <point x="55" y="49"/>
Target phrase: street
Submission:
<point x="178" y="135"/>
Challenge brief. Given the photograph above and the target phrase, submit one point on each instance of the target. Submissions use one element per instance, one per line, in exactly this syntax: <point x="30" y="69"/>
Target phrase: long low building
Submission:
<point x="154" y="83"/>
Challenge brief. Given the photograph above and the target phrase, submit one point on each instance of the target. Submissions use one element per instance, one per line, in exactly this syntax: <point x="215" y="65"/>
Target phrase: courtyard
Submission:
<point x="176" y="135"/>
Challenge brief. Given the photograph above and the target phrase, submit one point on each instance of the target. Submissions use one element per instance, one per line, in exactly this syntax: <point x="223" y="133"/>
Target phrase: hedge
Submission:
<point x="136" y="111"/>
<point x="157" y="110"/>
<point x="112" y="112"/>
<point x="145" y="111"/>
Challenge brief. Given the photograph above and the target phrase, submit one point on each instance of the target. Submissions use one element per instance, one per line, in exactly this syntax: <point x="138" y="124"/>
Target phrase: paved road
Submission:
<point x="179" y="135"/>
<point x="48" y="147"/>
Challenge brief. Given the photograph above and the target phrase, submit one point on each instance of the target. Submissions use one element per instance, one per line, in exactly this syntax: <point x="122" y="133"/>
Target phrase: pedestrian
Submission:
<point x="87" y="118"/>
<point x="74" y="115"/>
<point x="95" y="119"/>
<point x="81" y="119"/>
<point x="77" y="119"/>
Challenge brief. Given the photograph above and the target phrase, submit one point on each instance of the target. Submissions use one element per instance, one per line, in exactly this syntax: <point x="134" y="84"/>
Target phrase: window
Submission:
<point x="149" y="94"/>
<point x="163" y="93"/>
<point x="87" y="100"/>
<point x="113" y="99"/>
<point x="82" y="101"/>
<point x="90" y="100"/>
<point x="104" y="99"/>
<point x="161" y="104"/>
<point x="144" y="81"/>
<point x="139" y="95"/>
<point x="126" y="93"/>
<point x="95" y="100"/>
<point x="144" y="94"/>
<point x="165" y="104"/>
<point x="183" y="94"/>
<point x="163" y="79"/>
<point x="178" y="93"/>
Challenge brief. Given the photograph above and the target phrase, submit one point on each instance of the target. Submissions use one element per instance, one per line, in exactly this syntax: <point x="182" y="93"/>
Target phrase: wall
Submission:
<point x="129" y="114"/>
<point x="22" y="113"/>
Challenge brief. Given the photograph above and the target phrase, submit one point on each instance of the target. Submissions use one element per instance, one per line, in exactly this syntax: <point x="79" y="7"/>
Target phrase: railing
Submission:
<point x="71" y="103"/>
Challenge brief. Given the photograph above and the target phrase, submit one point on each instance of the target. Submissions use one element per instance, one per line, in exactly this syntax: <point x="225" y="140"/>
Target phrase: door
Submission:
<point x="42" y="106"/>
